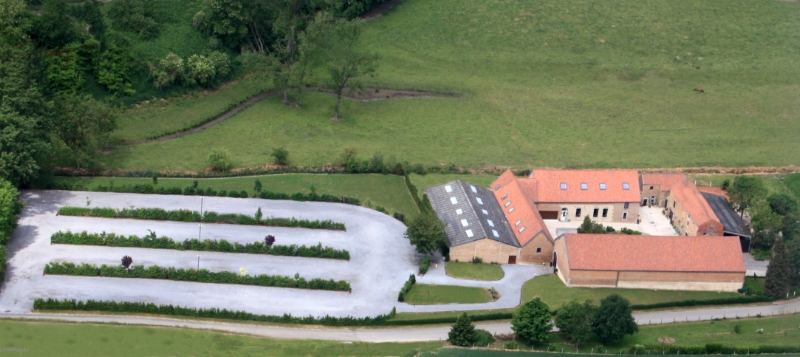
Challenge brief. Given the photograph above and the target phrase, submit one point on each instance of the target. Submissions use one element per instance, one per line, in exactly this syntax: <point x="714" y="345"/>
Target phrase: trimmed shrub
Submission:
<point x="744" y="299"/>
<point x="150" y="308"/>
<point x="151" y="241"/>
<point x="199" y="276"/>
<point x="423" y="268"/>
<point x="183" y="215"/>
<point x="406" y="288"/>
<point x="219" y="159"/>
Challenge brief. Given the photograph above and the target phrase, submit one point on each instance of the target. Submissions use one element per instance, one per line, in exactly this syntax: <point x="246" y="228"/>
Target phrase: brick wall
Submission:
<point x="656" y="280"/>
<point x="528" y="253"/>
<point x="614" y="214"/>
<point x="661" y="196"/>
<point x="562" y="262"/>
<point x="489" y="250"/>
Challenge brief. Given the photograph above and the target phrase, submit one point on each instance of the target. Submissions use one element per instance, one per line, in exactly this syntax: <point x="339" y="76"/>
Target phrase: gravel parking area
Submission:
<point x="381" y="258"/>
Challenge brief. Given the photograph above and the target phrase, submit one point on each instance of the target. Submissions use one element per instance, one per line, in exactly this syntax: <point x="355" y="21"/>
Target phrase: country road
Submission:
<point x="404" y="334"/>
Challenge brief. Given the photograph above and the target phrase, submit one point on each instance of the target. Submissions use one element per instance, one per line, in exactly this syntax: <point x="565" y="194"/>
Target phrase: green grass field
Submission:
<point x="387" y="191"/>
<point x="554" y="293"/>
<point x="474" y="271"/>
<point x="573" y="83"/>
<point x="424" y="294"/>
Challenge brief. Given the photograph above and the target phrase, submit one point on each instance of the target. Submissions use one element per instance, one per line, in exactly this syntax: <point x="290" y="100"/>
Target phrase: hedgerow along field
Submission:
<point x="571" y="83"/>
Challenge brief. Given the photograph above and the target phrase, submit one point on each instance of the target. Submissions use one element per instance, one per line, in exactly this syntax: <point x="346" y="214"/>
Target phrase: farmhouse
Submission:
<point x="650" y="262"/>
<point x="684" y="204"/>
<point x="656" y="188"/>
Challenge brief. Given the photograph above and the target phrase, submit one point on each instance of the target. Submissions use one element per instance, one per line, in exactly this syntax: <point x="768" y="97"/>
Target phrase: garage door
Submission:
<point x="549" y="214"/>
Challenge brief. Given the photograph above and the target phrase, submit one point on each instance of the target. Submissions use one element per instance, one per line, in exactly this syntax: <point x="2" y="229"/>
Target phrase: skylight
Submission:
<point x="459" y="211"/>
<point x="584" y="186"/>
<point x="626" y="186"/>
<point x="563" y="185"/>
<point x="508" y="203"/>
<point x="485" y="212"/>
<point x="522" y="229"/>
<point x="473" y="188"/>
<point x="518" y="222"/>
<point x="498" y="187"/>
<point x="469" y="233"/>
<point x="511" y="210"/>
<point x="479" y="200"/>
<point x="602" y="185"/>
<point x="490" y="222"/>
<point x="494" y="232"/>
<point x="504" y="196"/>
<point x="453" y="200"/>
<point x="464" y="222"/>
<point x="448" y="188"/>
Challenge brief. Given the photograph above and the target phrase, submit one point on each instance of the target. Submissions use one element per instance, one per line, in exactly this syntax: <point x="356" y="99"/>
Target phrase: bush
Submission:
<point x="423" y="268"/>
<point x="219" y="159"/>
<point x="134" y="16"/>
<point x="744" y="299"/>
<point x="199" y="276"/>
<point x="281" y="156"/>
<point x="406" y="288"/>
<point x="213" y="313"/>
<point x="151" y="241"/>
<point x="447" y="320"/>
<point x="183" y="215"/>
<point x="483" y="338"/>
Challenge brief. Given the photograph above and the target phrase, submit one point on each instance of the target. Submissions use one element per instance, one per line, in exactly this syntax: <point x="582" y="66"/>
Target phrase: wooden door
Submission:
<point x="512" y="259"/>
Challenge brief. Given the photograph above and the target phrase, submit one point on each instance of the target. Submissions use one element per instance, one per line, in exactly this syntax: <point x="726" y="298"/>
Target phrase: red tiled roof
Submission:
<point x="693" y="202"/>
<point x="666" y="181"/>
<point x="518" y="193"/>
<point x="620" y="252"/>
<point x="548" y="186"/>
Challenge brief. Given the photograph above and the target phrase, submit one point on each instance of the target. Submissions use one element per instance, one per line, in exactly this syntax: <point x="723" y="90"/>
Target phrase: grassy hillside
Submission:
<point x="574" y="83"/>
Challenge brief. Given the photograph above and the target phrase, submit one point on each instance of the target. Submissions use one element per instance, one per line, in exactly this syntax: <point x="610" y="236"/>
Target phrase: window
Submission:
<point x="453" y="200"/>
<point x="498" y="187"/>
<point x="464" y="222"/>
<point x="626" y="205"/>
<point x="508" y="203"/>
<point x="459" y="211"/>
<point x="605" y="212"/>
<point x="469" y="233"/>
<point x="563" y="185"/>
<point x="626" y="186"/>
<point x="673" y="204"/>
<point x="602" y="185"/>
<point x="595" y="212"/>
<point x="584" y="186"/>
<point x="624" y="215"/>
<point x="518" y="222"/>
<point x="511" y="210"/>
<point x="485" y="212"/>
<point x="480" y="201"/>
<point x="504" y="197"/>
<point x="522" y="229"/>
<point x="651" y="187"/>
<point x="577" y="212"/>
<point x="494" y="232"/>
<point x="448" y="188"/>
<point x="473" y="189"/>
<point x="538" y="250"/>
<point x="490" y="222"/>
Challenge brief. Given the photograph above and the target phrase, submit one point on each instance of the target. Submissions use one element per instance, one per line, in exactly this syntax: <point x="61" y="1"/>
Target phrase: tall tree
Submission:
<point x="745" y="190"/>
<point x="83" y="124"/>
<point x="614" y="319"/>
<point x="779" y="272"/>
<point x="766" y="224"/>
<point x="463" y="332"/>
<point x="426" y="233"/>
<point x="531" y="322"/>
<point x="289" y="25"/>
<point x="54" y="28"/>
<point x="793" y="257"/>
<point x="575" y="321"/>
<point x="237" y="23"/>
<point x="344" y="61"/>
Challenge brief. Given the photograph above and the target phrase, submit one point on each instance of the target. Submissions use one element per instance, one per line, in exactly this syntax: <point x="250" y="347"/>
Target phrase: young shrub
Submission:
<point x="483" y="338"/>
<point x="155" y="178"/>
<point x="127" y="261"/>
<point x="259" y="215"/>
<point x="348" y="155"/>
<point x="257" y="186"/>
<point x="477" y="260"/>
<point x="219" y="159"/>
<point x="269" y="240"/>
<point x="280" y="156"/>
<point x="423" y="268"/>
<point x="462" y="333"/>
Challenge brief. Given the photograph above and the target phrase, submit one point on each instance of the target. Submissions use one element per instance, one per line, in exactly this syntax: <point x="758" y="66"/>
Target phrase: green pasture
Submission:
<point x="474" y="271"/>
<point x="424" y="294"/>
<point x="554" y="293"/>
<point x="387" y="191"/>
<point x="574" y="83"/>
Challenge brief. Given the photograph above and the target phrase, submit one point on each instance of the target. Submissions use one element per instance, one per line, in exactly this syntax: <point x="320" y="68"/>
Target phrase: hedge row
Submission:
<point x="194" y="190"/>
<point x="711" y="348"/>
<point x="743" y="299"/>
<point x="406" y="288"/>
<point x="150" y="308"/>
<point x="151" y="241"/>
<point x="184" y="215"/>
<point x="199" y="276"/>
<point x="447" y="320"/>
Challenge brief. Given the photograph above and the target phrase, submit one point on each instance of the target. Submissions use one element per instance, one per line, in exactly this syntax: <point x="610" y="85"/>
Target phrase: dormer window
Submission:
<point x="626" y="186"/>
<point x="563" y="185"/>
<point x="584" y="186"/>
<point x="602" y="185"/>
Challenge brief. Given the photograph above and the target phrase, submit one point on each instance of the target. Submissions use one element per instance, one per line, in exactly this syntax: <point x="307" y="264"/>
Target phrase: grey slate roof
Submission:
<point x="731" y="220"/>
<point x="478" y="207"/>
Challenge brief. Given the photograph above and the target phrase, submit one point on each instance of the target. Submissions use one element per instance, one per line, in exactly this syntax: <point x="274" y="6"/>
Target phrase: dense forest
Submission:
<point x="69" y="66"/>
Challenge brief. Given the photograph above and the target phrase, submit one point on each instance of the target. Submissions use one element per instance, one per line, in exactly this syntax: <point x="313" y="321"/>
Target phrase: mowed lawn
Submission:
<point x="387" y="191"/>
<point x="66" y="339"/>
<point x="552" y="291"/>
<point x="573" y="83"/>
<point x="474" y="271"/>
<point x="424" y="294"/>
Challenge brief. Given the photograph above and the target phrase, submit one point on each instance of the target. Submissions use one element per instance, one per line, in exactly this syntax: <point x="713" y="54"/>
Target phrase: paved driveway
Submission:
<point x="381" y="258"/>
<point x="652" y="222"/>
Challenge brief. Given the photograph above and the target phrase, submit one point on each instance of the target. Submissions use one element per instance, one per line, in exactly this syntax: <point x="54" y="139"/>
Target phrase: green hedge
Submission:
<point x="406" y="288"/>
<point x="199" y="276"/>
<point x="184" y="215"/>
<point x="448" y="320"/>
<point x="207" y="245"/>
<point x="2" y="260"/>
<point x="150" y="308"/>
<point x="711" y="348"/>
<point x="744" y="299"/>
